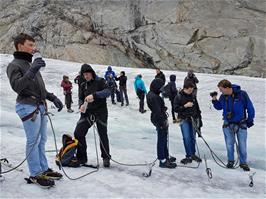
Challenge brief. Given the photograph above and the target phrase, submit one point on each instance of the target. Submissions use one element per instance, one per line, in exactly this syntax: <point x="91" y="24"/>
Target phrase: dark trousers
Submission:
<point x="123" y="91"/>
<point x="141" y="96"/>
<point x="162" y="146"/>
<point x="68" y="100"/>
<point x="81" y="130"/>
<point x="113" y="92"/>
<point x="172" y="108"/>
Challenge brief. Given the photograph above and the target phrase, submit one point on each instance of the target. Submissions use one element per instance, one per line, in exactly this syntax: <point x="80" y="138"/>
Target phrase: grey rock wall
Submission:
<point x="212" y="36"/>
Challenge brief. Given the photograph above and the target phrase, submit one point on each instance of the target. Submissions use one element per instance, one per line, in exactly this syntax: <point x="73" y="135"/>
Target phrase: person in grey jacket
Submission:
<point x="26" y="80"/>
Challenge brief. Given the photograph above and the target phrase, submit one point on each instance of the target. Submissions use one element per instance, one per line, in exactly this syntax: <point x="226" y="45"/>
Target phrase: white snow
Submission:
<point x="133" y="140"/>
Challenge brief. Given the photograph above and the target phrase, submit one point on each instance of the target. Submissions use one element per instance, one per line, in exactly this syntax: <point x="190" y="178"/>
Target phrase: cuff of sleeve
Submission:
<point x="94" y="95"/>
<point x="214" y="101"/>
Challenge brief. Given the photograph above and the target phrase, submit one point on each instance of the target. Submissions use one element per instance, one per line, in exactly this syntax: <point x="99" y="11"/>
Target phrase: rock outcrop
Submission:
<point x="207" y="36"/>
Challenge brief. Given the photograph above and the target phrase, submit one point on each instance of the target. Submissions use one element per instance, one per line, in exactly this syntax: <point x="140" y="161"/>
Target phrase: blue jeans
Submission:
<point x="162" y="147"/>
<point x="36" y="138"/>
<point x="188" y="137"/>
<point x="229" y="137"/>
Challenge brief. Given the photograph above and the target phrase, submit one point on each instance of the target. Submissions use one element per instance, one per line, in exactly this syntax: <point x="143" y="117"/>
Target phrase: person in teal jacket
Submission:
<point x="140" y="91"/>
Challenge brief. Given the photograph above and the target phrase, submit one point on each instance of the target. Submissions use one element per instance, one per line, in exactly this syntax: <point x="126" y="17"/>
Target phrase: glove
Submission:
<point x="58" y="104"/>
<point x="214" y="93"/>
<point x="250" y="123"/>
<point x="36" y="65"/>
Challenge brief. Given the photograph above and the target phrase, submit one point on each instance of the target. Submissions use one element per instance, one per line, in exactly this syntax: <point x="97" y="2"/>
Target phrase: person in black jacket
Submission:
<point x="173" y="93"/>
<point x="123" y="87"/>
<point x="79" y="79"/>
<point x="187" y="107"/>
<point x="160" y="121"/>
<point x="191" y="77"/>
<point x="26" y="80"/>
<point x="92" y="100"/>
<point x="159" y="74"/>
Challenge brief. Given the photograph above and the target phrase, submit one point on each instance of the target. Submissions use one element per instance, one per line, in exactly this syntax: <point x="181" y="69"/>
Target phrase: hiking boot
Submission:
<point x="245" y="167"/>
<point x="106" y="162"/>
<point x="186" y="160"/>
<point x="113" y="103"/>
<point x="196" y="158"/>
<point x="171" y="159"/>
<point x="230" y="164"/>
<point x="142" y="111"/>
<point x="50" y="174"/>
<point x="122" y="104"/>
<point x="167" y="164"/>
<point x="127" y="104"/>
<point x="70" y="110"/>
<point x="41" y="180"/>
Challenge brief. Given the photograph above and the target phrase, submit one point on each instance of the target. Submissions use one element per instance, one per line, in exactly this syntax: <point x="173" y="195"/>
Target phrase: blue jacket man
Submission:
<point x="109" y="72"/>
<point x="141" y="92"/>
<point x="238" y="115"/>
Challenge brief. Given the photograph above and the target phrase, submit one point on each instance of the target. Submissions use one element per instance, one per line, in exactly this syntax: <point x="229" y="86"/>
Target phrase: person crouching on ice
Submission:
<point x="160" y="121"/>
<point x="92" y="92"/>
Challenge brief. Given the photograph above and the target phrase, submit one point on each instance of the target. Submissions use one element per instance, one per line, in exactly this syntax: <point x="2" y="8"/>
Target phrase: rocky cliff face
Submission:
<point x="212" y="36"/>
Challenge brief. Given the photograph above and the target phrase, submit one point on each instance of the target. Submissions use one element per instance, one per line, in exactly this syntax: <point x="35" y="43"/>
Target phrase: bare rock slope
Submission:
<point x="212" y="36"/>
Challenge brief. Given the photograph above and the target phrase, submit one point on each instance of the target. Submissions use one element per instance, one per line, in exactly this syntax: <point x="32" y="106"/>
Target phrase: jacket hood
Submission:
<point x="138" y="77"/>
<point x="87" y="68"/>
<point x="156" y="85"/>
<point x="109" y="68"/>
<point x="236" y="88"/>
<point x="172" y="78"/>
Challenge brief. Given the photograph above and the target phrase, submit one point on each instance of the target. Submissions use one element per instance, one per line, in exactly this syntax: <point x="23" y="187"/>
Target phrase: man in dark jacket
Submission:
<point x="159" y="74"/>
<point x="187" y="107"/>
<point x="123" y="87"/>
<point x="79" y="79"/>
<point x="191" y="77"/>
<point x="160" y="121"/>
<point x="238" y="115"/>
<point x="173" y="93"/>
<point x="26" y="80"/>
<point x="92" y="92"/>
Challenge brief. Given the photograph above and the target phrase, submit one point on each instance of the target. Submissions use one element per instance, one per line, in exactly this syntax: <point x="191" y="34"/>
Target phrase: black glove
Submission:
<point x="214" y="93"/>
<point x="58" y="104"/>
<point x="250" y="123"/>
<point x="36" y="65"/>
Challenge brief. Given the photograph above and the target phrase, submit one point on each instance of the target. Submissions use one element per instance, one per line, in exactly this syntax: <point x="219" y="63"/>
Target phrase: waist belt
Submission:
<point x="32" y="115"/>
<point x="241" y="124"/>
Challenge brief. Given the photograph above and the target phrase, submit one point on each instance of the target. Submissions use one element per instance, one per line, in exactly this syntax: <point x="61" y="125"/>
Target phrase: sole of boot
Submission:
<point x="29" y="181"/>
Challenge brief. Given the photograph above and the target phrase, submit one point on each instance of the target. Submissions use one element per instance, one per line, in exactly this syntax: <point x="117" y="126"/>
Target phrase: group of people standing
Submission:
<point x="26" y="80"/>
<point x="238" y="115"/>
